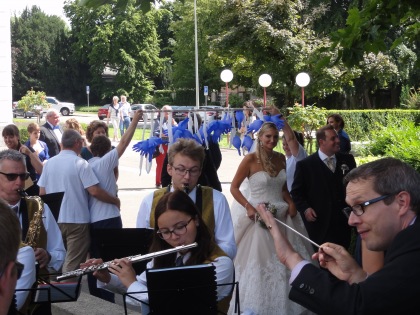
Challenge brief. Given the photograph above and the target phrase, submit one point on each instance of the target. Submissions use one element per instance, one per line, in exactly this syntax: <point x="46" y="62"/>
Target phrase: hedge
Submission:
<point x="359" y="123"/>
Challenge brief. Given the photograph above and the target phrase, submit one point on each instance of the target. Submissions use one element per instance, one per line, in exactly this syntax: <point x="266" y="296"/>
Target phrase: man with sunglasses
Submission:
<point x="50" y="251"/>
<point x="185" y="162"/>
<point x="9" y="245"/>
<point x="384" y="201"/>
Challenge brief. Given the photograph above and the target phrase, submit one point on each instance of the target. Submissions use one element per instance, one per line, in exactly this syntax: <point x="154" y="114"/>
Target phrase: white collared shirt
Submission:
<point x="223" y="226"/>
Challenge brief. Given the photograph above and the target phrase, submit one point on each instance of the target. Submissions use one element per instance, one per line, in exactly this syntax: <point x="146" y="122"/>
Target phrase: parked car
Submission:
<point x="63" y="107"/>
<point x="28" y="114"/>
<point x="211" y="114"/>
<point x="103" y="112"/>
<point x="144" y="108"/>
<point x="180" y="112"/>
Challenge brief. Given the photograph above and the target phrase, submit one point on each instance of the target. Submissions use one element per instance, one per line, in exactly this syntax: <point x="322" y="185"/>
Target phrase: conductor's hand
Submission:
<point x="124" y="270"/>
<point x="340" y="263"/>
<point x="284" y="250"/>
<point x="102" y="275"/>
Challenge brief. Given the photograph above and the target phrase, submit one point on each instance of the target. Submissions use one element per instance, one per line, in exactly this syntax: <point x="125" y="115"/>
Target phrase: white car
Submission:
<point x="63" y="107"/>
<point x="145" y="108"/>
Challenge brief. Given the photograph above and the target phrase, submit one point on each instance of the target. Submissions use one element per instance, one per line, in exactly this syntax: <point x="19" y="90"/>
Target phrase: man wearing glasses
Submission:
<point x="10" y="270"/>
<point x="384" y="200"/>
<point x="185" y="161"/>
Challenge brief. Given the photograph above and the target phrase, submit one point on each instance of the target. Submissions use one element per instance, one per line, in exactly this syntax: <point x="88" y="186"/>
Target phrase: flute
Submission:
<point x="133" y="259"/>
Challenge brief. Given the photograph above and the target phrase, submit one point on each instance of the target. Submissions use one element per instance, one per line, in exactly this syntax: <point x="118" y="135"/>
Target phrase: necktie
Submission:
<point x="330" y="163"/>
<point x="179" y="261"/>
<point x="56" y="128"/>
<point x="15" y="209"/>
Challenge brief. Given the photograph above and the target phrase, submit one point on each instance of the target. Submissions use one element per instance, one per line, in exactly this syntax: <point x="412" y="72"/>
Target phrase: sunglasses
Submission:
<point x="13" y="176"/>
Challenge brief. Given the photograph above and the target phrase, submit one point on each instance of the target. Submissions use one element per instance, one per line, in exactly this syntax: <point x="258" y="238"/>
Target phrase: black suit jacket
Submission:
<point x="48" y="136"/>
<point x="316" y="187"/>
<point x="392" y="290"/>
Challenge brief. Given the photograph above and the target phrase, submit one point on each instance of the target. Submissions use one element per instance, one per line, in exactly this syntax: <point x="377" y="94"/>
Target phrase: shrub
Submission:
<point x="401" y="141"/>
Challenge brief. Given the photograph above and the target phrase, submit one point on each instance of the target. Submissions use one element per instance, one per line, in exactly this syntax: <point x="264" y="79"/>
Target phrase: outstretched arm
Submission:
<point x="290" y="137"/>
<point x="128" y="135"/>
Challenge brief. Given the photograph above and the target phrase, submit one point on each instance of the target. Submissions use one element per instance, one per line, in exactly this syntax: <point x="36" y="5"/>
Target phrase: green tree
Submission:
<point x="370" y="23"/>
<point x="307" y="120"/>
<point x="34" y="36"/>
<point x="34" y="101"/>
<point x="126" y="42"/>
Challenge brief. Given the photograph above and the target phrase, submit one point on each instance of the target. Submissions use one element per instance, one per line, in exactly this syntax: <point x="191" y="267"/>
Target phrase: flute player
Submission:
<point x="384" y="200"/>
<point x="178" y="223"/>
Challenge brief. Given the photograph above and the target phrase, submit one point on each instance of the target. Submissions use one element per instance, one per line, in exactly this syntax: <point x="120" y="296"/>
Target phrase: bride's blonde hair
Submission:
<point x="262" y="156"/>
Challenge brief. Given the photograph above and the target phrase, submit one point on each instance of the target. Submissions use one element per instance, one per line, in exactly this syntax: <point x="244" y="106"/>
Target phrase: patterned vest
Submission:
<point x="204" y="203"/>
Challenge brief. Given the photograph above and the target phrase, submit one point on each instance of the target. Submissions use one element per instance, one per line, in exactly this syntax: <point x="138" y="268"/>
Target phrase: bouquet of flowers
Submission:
<point x="270" y="207"/>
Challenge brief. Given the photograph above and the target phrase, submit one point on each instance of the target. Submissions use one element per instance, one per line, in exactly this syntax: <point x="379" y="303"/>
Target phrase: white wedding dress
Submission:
<point x="263" y="280"/>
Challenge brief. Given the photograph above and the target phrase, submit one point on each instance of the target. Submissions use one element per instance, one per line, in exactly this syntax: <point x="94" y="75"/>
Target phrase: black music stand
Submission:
<point x="54" y="292"/>
<point x="53" y="201"/>
<point x="120" y="243"/>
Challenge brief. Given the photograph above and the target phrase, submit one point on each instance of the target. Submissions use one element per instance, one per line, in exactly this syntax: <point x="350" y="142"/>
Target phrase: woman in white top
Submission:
<point x="115" y="114"/>
<point x="178" y="222"/>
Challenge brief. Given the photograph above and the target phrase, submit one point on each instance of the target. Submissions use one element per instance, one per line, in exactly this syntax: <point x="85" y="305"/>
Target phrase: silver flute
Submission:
<point x="133" y="259"/>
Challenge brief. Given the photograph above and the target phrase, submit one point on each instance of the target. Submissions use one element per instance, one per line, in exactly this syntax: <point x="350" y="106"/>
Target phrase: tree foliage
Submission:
<point x="370" y="24"/>
<point x="34" y="37"/>
<point x="125" y="42"/>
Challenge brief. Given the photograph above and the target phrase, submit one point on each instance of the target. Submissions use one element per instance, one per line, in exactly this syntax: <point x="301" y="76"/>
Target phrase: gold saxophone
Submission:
<point x="34" y="230"/>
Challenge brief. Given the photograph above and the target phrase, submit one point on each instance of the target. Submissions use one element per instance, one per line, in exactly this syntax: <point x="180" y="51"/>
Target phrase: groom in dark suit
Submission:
<point x="318" y="190"/>
<point x="51" y="132"/>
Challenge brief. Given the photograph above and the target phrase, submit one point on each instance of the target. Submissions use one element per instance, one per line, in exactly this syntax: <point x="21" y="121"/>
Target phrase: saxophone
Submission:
<point x="34" y="230"/>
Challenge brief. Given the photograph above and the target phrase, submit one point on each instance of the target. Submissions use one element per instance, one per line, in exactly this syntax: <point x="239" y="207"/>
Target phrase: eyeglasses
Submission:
<point x="13" y="176"/>
<point x="359" y="209"/>
<point x="181" y="171"/>
<point x="179" y="229"/>
<point x="19" y="269"/>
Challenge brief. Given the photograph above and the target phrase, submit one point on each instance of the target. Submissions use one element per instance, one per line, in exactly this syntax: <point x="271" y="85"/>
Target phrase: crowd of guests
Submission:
<point x="323" y="196"/>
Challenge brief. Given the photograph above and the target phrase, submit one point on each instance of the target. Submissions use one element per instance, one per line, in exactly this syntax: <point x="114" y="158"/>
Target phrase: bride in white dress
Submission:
<point x="263" y="280"/>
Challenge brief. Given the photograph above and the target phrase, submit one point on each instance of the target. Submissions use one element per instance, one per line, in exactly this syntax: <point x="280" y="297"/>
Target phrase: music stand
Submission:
<point x="53" y="201"/>
<point x="54" y="292"/>
<point x="120" y="243"/>
<point x="182" y="290"/>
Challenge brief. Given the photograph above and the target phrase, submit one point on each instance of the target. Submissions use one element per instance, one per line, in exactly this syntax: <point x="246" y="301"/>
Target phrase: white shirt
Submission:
<point x="55" y="244"/>
<point x="57" y="132"/>
<point x="104" y="170"/>
<point x="26" y="256"/>
<point x="325" y="157"/>
<point x="223" y="226"/>
<point x="224" y="274"/>
<point x="291" y="165"/>
<point x="125" y="109"/>
<point x="69" y="173"/>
